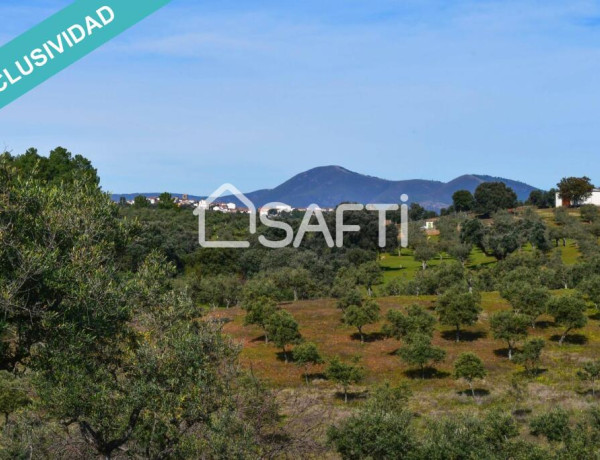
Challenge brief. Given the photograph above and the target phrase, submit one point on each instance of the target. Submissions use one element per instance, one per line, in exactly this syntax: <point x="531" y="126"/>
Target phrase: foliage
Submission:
<point x="491" y="197"/>
<point x="258" y="312"/>
<point x="575" y="189"/>
<point x="554" y="425"/>
<point x="463" y="201"/>
<point x="590" y="372"/>
<point x="344" y="374"/>
<point x="305" y="355"/>
<point x="416" y="321"/>
<point x="361" y="315"/>
<point x="375" y="435"/>
<point x="458" y="308"/>
<point x="420" y="352"/>
<point x="526" y="299"/>
<point x="283" y="330"/>
<point x="568" y="311"/>
<point x="530" y="354"/>
<point x="510" y="327"/>
<point x="469" y="366"/>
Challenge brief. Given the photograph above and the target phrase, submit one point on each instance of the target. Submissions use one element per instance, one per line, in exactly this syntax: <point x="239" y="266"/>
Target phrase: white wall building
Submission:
<point x="593" y="199"/>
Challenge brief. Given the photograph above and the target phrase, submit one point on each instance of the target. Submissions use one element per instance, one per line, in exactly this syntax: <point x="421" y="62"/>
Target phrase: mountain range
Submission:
<point x="329" y="186"/>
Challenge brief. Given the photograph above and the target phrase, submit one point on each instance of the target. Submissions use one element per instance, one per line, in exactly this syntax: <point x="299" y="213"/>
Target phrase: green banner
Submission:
<point x="63" y="39"/>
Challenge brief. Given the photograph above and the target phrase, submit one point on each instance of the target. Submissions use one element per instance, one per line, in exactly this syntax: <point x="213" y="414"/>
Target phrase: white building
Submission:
<point x="593" y="199"/>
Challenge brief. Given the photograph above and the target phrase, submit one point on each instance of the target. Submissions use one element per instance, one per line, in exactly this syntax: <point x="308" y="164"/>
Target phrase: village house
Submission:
<point x="594" y="199"/>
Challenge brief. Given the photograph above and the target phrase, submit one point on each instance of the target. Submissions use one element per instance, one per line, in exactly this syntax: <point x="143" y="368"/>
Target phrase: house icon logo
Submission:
<point x="200" y="211"/>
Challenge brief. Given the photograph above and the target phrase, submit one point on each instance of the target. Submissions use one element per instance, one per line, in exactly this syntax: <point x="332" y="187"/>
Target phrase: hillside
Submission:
<point x="329" y="186"/>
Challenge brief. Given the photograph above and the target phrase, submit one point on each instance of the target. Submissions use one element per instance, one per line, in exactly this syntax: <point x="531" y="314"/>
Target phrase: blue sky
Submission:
<point x="253" y="92"/>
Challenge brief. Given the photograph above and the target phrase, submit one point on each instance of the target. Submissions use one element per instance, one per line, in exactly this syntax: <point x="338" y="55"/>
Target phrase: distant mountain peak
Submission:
<point x="331" y="185"/>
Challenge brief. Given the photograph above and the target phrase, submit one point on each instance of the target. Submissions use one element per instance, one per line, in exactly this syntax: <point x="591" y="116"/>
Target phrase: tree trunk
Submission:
<point x="457" y="334"/>
<point x="306" y="374"/>
<point x="422" y="372"/>
<point x="362" y="337"/>
<point x="509" y="352"/>
<point x="424" y="265"/>
<point x="295" y="295"/>
<point x="369" y="291"/>
<point x="285" y="355"/>
<point x="472" y="389"/>
<point x="345" y="395"/>
<point x="564" y="336"/>
<point x="266" y="338"/>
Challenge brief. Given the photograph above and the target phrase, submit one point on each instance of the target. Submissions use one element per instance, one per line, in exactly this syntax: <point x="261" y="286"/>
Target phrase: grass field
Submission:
<point x="404" y="266"/>
<point x="320" y="322"/>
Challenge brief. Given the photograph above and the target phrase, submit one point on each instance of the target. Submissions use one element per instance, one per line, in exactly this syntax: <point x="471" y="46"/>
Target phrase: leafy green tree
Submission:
<point x="491" y="197"/>
<point x="554" y="425"/>
<point x="350" y="298"/>
<point x="375" y="435"/>
<point x="527" y="299"/>
<point x="529" y="356"/>
<point x="425" y="252"/>
<point x="456" y="308"/>
<point x="141" y="201"/>
<point x="420" y="352"/>
<point x="504" y="237"/>
<point x="590" y="287"/>
<point x="370" y="274"/>
<point x="283" y="330"/>
<point x="416" y="321"/>
<point x="568" y="311"/>
<point x="590" y="372"/>
<point x="58" y="168"/>
<point x="510" y="327"/>
<point x="460" y="251"/>
<point x="296" y="280"/>
<point x="574" y="190"/>
<point x="258" y="312"/>
<point x="468" y="366"/>
<point x="589" y="213"/>
<point x="219" y="291"/>
<point x="542" y="199"/>
<point x="166" y="201"/>
<point x="361" y="315"/>
<point x="346" y="280"/>
<point x="473" y="232"/>
<point x="307" y="354"/>
<point x="344" y="374"/>
<point x="463" y="201"/>
<point x="417" y="212"/>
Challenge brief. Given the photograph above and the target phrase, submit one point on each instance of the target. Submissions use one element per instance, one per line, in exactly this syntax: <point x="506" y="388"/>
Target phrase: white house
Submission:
<point x="593" y="199"/>
<point x="429" y="224"/>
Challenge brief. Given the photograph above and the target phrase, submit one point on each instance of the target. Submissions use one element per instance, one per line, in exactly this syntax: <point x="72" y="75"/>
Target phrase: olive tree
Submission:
<point x="283" y="330"/>
<point x="458" y="308"/>
<point x="361" y="315"/>
<point x="404" y="326"/>
<point x="306" y="354"/>
<point x="568" y="311"/>
<point x="420" y="352"/>
<point x="344" y="374"/>
<point x="510" y="327"/>
<point x="469" y="367"/>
